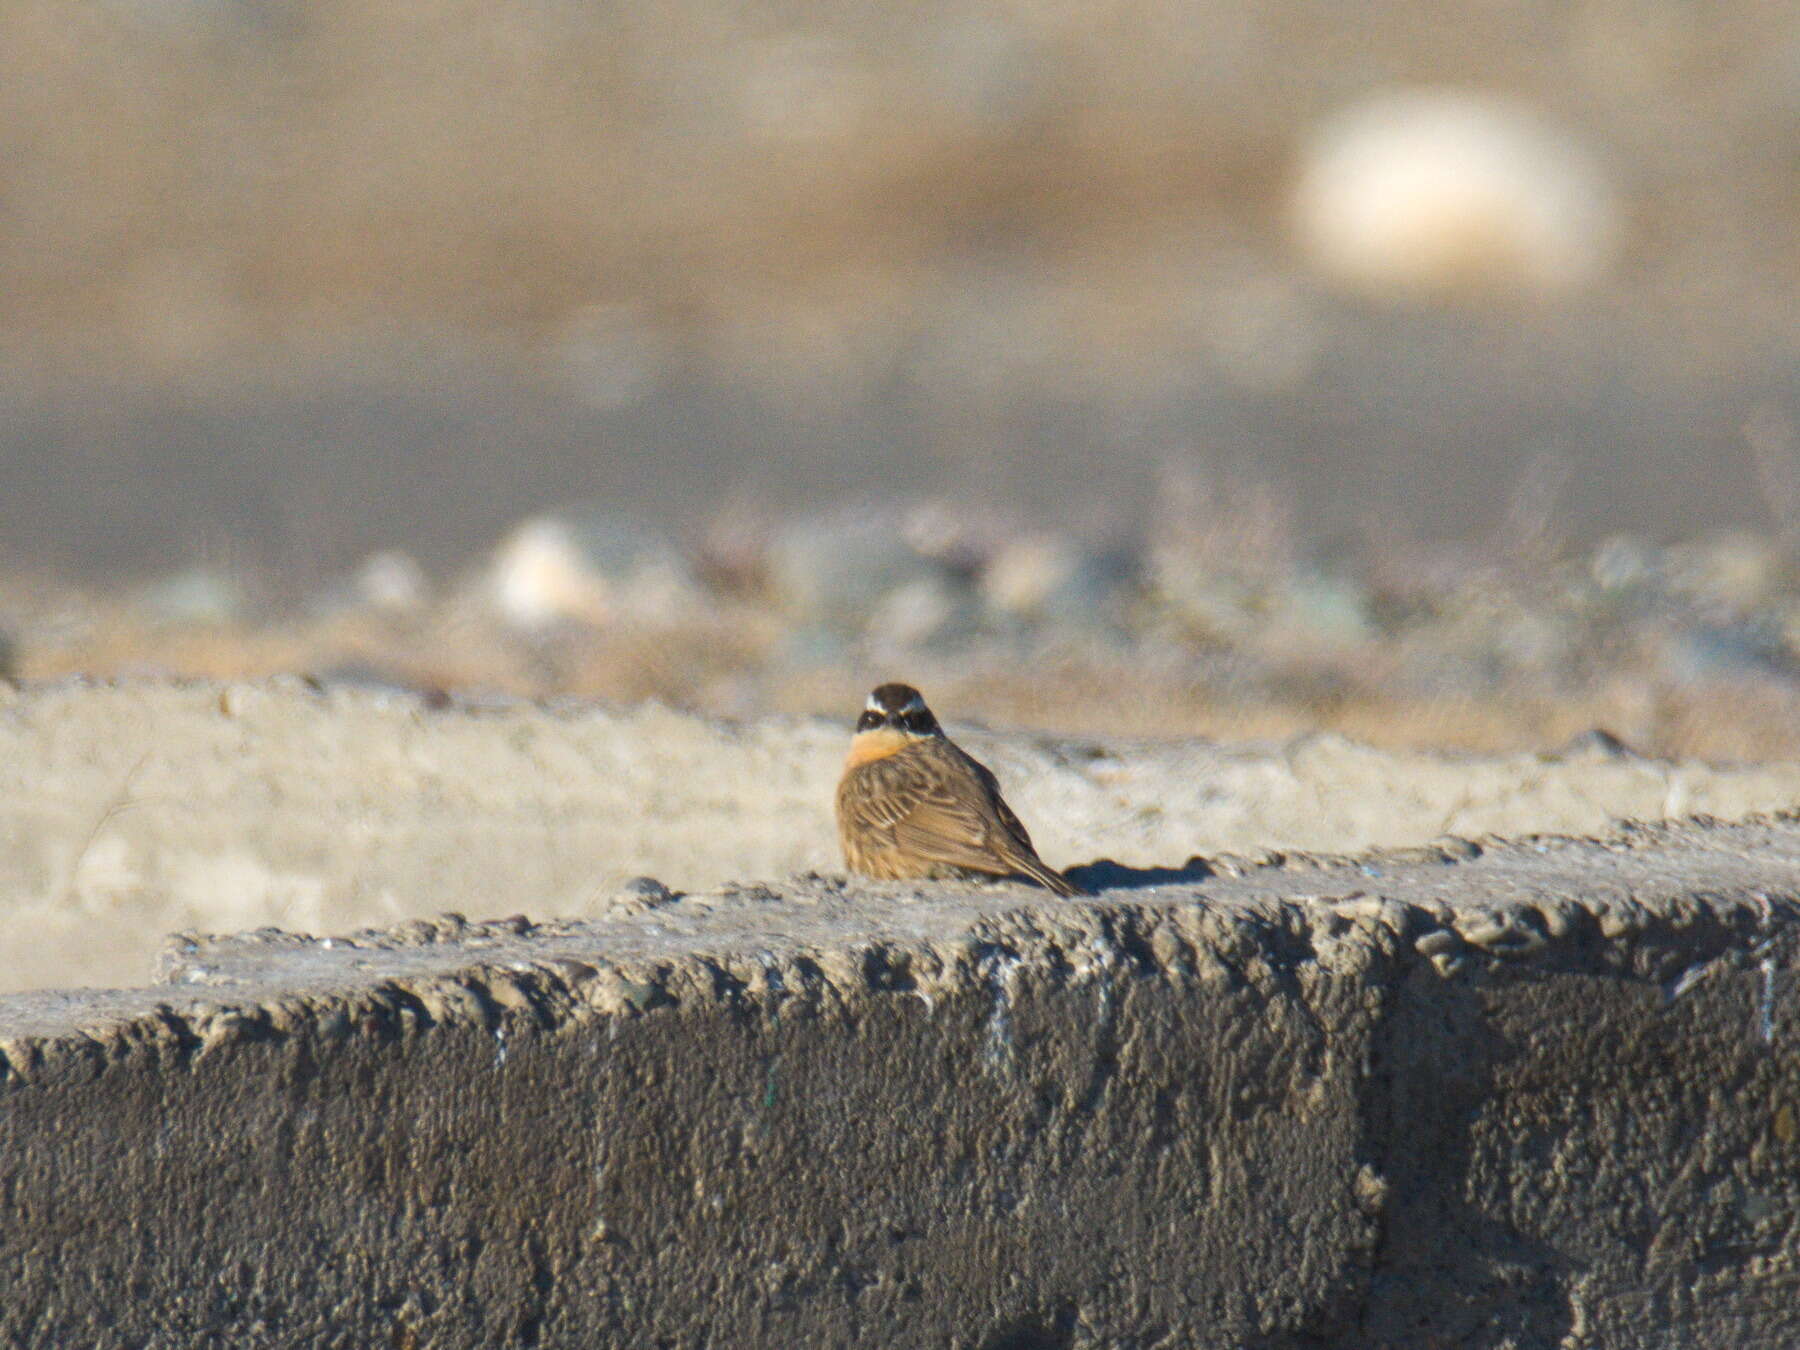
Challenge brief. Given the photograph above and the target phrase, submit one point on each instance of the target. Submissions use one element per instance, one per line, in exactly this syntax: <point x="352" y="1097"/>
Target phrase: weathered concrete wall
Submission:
<point x="1540" y="1094"/>
<point x="158" y="807"/>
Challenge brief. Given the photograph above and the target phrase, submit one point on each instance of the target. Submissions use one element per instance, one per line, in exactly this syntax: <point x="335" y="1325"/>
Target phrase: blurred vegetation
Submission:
<point x="1215" y="626"/>
<point x="204" y="171"/>
<point x="296" y="281"/>
<point x="308" y="305"/>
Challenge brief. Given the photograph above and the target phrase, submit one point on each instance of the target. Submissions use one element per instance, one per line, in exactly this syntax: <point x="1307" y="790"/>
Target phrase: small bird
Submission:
<point x="912" y="803"/>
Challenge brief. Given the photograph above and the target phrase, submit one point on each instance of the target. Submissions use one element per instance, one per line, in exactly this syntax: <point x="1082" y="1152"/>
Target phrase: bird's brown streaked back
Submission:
<point x="912" y="803"/>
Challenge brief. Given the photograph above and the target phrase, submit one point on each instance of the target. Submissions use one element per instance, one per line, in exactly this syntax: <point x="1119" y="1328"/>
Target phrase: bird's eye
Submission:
<point x="919" y="722"/>
<point x="868" y="721"/>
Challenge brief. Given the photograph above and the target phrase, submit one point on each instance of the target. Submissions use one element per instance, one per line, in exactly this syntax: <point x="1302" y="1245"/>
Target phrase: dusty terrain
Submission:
<point x="135" y="809"/>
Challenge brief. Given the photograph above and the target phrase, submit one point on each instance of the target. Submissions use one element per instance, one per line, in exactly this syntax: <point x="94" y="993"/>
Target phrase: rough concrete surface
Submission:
<point x="131" y="810"/>
<point x="1543" y="1093"/>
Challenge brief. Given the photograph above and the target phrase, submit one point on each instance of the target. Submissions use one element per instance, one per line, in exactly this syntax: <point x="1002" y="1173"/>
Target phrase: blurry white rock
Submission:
<point x="926" y="611"/>
<point x="1321" y="610"/>
<point x="833" y="570"/>
<point x="1622" y="561"/>
<point x="390" y="581"/>
<point x="1733" y="569"/>
<point x="1439" y="191"/>
<point x="1044" y="577"/>
<point x="197" y="595"/>
<point x="540" y="576"/>
<point x="1026" y="572"/>
<point x="587" y="569"/>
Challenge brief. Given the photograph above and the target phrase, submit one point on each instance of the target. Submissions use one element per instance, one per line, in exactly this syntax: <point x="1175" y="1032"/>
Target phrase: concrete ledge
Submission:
<point x="166" y="806"/>
<point x="1534" y="1094"/>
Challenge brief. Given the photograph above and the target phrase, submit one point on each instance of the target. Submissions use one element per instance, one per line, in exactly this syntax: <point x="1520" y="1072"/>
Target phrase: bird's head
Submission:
<point x="898" y="707"/>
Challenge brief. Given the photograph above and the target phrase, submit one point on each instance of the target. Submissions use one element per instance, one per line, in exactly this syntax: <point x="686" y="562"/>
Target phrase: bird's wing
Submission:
<point x="1004" y="813"/>
<point x="932" y="805"/>
<point x="1014" y="845"/>
<point x="960" y="818"/>
<point x="944" y="831"/>
<point x="982" y="835"/>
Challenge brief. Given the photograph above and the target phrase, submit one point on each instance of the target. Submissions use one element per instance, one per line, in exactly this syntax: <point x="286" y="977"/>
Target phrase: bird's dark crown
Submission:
<point x="899" y="706"/>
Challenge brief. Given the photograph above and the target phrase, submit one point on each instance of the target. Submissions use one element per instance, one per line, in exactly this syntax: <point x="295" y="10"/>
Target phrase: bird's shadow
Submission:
<point x="1103" y="874"/>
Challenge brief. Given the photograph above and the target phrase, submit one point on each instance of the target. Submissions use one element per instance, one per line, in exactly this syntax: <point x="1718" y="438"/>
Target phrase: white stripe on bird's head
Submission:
<point x="881" y="701"/>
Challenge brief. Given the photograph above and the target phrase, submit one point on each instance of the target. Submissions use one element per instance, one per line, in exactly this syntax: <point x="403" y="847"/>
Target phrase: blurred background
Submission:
<point x="1429" y="371"/>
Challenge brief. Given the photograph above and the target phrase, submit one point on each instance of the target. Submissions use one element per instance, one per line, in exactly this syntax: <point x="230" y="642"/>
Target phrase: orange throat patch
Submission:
<point x="868" y="746"/>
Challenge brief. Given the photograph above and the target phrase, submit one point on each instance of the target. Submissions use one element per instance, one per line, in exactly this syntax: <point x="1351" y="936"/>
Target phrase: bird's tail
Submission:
<point x="1046" y="876"/>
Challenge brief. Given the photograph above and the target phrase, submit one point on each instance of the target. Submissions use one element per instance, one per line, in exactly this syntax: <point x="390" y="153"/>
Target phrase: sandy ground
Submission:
<point x="135" y="810"/>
